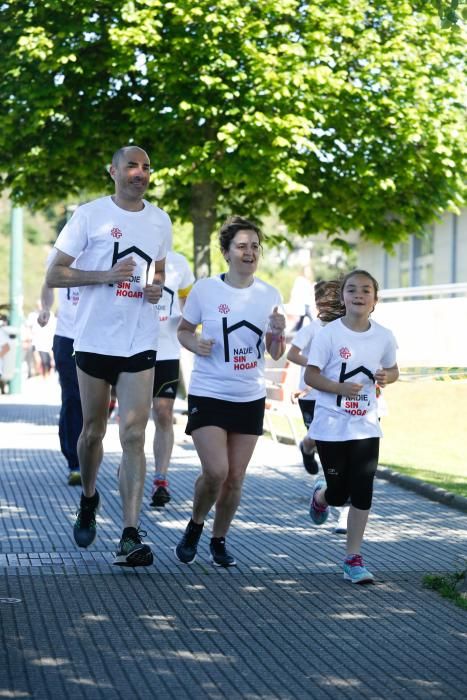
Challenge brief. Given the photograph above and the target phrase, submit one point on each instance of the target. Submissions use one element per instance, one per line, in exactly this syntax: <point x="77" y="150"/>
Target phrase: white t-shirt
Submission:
<point x="68" y="298"/>
<point x="178" y="277"/>
<point x="344" y="355"/>
<point x="302" y="340"/>
<point x="43" y="336"/>
<point x="116" y="319"/>
<point x="236" y="319"/>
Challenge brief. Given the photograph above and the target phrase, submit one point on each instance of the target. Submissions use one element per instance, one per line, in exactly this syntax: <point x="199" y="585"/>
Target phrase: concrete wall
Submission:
<point x="430" y="333"/>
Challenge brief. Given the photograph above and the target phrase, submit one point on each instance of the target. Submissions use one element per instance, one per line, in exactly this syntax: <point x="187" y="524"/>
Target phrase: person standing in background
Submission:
<point x="178" y="282"/>
<point x="4" y="349"/>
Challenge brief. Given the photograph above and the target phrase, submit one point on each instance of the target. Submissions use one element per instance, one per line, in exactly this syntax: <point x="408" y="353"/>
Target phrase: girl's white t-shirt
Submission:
<point x="303" y="340"/>
<point x="116" y="319"/>
<point x="236" y="319"/>
<point x="343" y="355"/>
<point x="178" y="275"/>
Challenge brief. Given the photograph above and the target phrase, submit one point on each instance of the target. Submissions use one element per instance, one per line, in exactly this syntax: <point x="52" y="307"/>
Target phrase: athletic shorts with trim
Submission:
<point x="108" y="367"/>
<point x="166" y="379"/>
<point x="244" y="417"/>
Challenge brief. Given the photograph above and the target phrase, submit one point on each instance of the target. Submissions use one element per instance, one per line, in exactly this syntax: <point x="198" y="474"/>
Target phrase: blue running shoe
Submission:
<point x="84" y="529"/>
<point x="319" y="514"/>
<point x="355" y="570"/>
<point x="220" y="556"/>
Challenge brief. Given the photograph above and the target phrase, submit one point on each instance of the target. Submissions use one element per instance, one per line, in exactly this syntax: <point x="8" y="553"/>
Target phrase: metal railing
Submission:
<point x="428" y="291"/>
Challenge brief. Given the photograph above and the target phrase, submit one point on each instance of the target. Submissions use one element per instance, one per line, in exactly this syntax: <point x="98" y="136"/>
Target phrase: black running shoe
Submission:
<point x="219" y="554"/>
<point x="186" y="549"/>
<point x="160" y="497"/>
<point x="309" y="461"/>
<point x="84" y="530"/>
<point x="131" y="551"/>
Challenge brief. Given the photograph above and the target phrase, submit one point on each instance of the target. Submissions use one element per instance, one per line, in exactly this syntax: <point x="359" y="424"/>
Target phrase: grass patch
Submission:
<point x="449" y="586"/>
<point x="424" y="431"/>
<point x="425" y="427"/>
<point x="450" y="482"/>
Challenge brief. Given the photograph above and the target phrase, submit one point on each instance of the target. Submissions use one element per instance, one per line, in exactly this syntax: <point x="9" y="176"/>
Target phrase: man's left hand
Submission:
<point x="152" y="293"/>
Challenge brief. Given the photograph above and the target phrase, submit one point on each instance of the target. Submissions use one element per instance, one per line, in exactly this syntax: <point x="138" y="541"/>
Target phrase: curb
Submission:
<point x="434" y="493"/>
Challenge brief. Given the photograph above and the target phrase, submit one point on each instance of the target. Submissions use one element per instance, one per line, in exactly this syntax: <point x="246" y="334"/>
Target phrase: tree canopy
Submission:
<point x="346" y="114"/>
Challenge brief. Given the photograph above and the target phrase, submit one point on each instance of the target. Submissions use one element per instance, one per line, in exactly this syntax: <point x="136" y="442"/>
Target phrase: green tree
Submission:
<point x="345" y="113"/>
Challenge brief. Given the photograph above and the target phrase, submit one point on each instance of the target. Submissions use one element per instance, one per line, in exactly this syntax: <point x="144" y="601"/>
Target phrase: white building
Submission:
<point x="438" y="258"/>
<point x="423" y="296"/>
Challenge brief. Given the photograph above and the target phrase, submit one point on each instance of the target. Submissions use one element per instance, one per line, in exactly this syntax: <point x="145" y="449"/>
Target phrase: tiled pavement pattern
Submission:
<point x="283" y="624"/>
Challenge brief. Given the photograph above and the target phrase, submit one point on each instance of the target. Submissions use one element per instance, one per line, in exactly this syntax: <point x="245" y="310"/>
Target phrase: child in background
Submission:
<point x="347" y="359"/>
<point x="329" y="306"/>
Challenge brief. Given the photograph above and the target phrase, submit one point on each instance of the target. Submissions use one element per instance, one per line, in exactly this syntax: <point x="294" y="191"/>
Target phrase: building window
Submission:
<point x="423" y="249"/>
<point x="416" y="260"/>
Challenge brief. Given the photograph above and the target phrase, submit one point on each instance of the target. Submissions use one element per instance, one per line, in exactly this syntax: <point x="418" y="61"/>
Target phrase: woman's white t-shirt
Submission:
<point x="344" y="355"/>
<point x="178" y="276"/>
<point x="236" y="319"/>
<point x="116" y="319"/>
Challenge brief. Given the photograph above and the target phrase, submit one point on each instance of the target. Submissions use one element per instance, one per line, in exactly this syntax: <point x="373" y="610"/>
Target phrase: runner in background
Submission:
<point x="70" y="422"/>
<point x="178" y="282"/>
<point x="329" y="306"/>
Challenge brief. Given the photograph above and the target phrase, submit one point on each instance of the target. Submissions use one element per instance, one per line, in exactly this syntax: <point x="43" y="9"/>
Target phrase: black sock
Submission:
<point x="197" y="527"/>
<point x="217" y="540"/>
<point x="127" y="531"/>
<point x="90" y="500"/>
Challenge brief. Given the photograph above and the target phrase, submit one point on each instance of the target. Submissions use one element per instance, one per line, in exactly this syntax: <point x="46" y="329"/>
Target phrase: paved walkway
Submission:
<point x="281" y="625"/>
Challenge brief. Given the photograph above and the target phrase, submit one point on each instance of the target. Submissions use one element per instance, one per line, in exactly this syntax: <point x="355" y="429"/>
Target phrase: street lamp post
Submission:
<point x="16" y="292"/>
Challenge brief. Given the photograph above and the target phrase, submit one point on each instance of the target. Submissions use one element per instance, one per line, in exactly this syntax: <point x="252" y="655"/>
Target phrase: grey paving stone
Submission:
<point x="281" y="625"/>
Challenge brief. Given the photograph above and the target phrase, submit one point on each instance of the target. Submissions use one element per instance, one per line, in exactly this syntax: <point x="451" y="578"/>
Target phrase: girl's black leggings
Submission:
<point x="350" y="468"/>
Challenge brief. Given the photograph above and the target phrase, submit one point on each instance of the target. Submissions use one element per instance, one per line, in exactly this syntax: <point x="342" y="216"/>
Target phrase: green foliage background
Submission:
<point x="345" y="114"/>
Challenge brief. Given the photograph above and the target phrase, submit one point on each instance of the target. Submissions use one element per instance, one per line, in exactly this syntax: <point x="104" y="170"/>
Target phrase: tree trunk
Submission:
<point x="203" y="217"/>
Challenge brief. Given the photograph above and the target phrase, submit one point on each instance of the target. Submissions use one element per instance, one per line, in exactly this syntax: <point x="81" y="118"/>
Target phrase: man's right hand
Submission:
<point x="122" y="271"/>
<point x="351" y="389"/>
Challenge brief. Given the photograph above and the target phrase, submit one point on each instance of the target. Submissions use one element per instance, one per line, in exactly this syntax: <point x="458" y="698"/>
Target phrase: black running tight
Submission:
<point x="350" y="468"/>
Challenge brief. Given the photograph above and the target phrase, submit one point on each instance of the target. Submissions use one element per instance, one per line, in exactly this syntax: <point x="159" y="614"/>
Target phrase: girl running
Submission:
<point x="330" y="307"/>
<point x="348" y="357"/>
<point x="226" y="398"/>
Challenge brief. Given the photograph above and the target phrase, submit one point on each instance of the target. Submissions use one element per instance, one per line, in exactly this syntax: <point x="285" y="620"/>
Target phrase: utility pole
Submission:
<point x="16" y="292"/>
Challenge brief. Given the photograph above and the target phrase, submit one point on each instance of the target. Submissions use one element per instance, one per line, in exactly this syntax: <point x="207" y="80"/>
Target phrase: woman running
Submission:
<point x="226" y="399"/>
